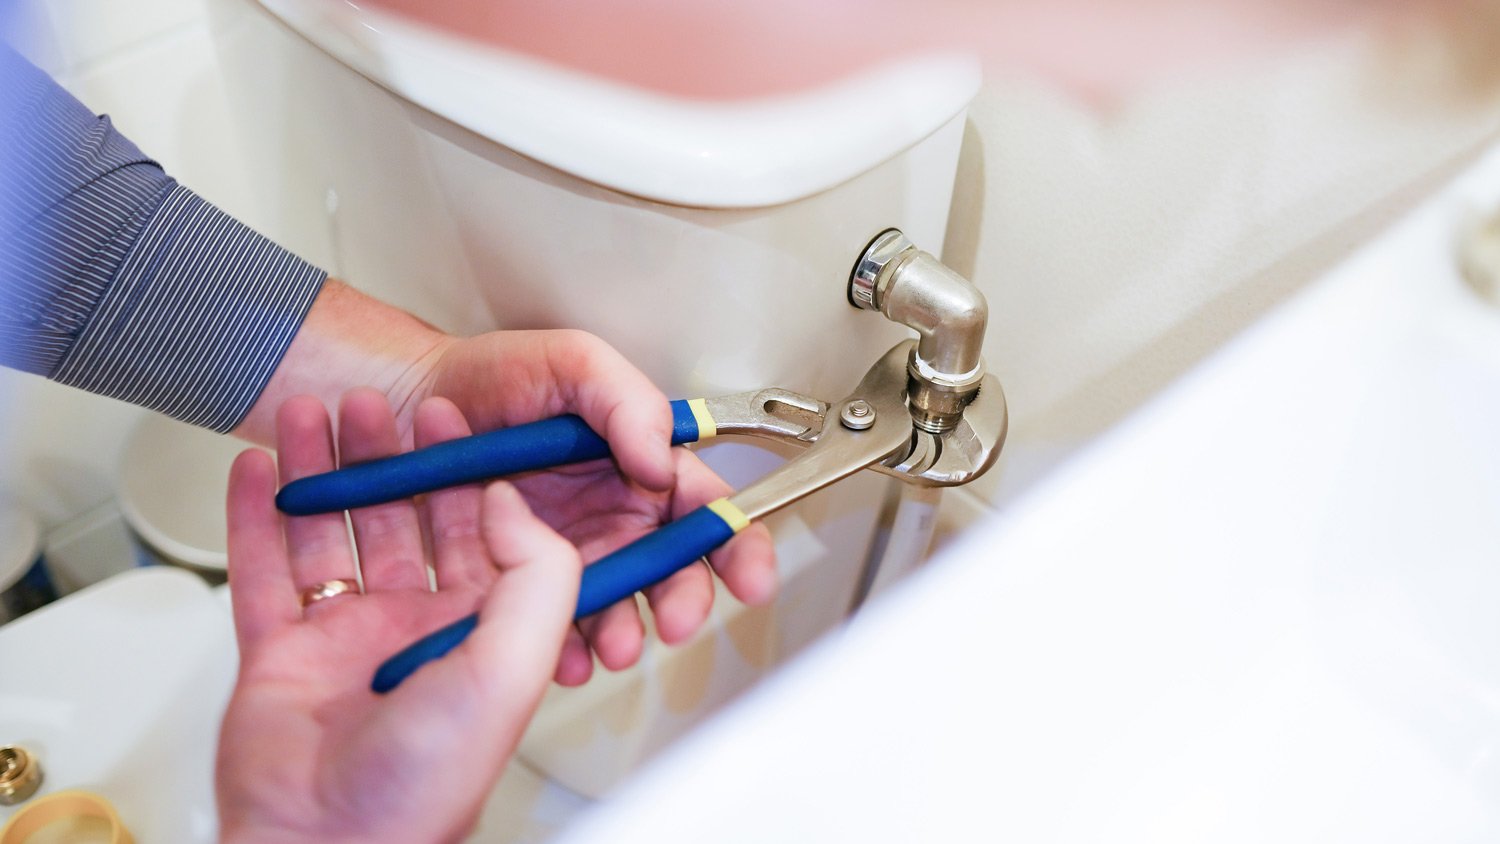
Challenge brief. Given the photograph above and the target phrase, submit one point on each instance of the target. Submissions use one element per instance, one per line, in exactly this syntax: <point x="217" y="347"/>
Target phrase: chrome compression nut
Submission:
<point x="949" y="314"/>
<point x="869" y="274"/>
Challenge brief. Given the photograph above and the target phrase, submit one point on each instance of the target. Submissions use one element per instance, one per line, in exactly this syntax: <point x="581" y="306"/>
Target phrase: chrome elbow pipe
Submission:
<point x="949" y="314"/>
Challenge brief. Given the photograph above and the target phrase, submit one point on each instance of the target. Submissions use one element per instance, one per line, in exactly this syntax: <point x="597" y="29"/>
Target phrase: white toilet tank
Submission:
<point x="710" y="242"/>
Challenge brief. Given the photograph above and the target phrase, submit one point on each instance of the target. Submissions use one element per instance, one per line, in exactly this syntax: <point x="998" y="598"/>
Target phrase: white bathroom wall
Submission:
<point x="1117" y="243"/>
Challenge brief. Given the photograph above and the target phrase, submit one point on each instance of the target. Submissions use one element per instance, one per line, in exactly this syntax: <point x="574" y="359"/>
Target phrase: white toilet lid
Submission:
<point x="705" y="154"/>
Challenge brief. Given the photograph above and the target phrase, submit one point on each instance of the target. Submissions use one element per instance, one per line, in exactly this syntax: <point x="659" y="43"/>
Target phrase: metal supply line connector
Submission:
<point x="949" y="314"/>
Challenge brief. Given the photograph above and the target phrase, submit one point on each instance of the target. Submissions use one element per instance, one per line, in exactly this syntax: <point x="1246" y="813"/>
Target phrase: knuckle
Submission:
<point x="578" y="346"/>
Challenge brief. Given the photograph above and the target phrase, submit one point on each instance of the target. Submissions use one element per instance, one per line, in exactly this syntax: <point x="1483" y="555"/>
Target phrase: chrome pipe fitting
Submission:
<point x="949" y="314"/>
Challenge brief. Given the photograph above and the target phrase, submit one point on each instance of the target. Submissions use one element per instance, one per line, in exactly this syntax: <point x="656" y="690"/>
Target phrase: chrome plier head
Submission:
<point x="870" y="428"/>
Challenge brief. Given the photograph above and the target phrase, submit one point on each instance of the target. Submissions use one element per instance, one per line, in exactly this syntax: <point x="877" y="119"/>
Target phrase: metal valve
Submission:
<point x="949" y="314"/>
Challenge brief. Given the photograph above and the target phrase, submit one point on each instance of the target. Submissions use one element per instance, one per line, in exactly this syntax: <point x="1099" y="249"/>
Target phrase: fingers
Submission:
<point x="526" y="619"/>
<point x="389" y="536"/>
<point x="681" y="603"/>
<point x="467" y="712"/>
<point x="746" y="564"/>
<point x="260" y="578"/>
<point x="317" y="546"/>
<point x="460" y="558"/>
<point x="575" y="665"/>
<point x="619" y="401"/>
<point x="457" y="719"/>
<point x="616" y="634"/>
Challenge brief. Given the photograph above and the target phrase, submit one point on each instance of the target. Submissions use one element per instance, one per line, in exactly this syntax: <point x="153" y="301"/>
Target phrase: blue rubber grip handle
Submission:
<point x="536" y="445"/>
<point x="644" y="562"/>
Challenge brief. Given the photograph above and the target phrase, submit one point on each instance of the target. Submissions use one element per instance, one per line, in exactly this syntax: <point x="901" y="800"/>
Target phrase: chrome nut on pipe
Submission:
<point x="949" y="314"/>
<point x="870" y="270"/>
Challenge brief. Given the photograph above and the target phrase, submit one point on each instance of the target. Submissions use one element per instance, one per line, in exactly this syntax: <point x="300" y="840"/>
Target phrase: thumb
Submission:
<point x="456" y="722"/>
<point x="514" y="650"/>
<point x="505" y="665"/>
<point x="508" y="660"/>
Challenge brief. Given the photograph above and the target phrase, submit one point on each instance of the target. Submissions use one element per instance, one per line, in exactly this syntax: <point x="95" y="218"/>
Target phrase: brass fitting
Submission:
<point x="20" y="774"/>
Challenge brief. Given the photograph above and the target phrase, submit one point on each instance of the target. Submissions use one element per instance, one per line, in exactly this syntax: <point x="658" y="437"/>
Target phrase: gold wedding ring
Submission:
<point x="64" y="806"/>
<point x="328" y="589"/>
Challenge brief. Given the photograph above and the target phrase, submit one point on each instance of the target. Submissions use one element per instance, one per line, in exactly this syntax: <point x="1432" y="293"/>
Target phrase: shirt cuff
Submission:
<point x="199" y="315"/>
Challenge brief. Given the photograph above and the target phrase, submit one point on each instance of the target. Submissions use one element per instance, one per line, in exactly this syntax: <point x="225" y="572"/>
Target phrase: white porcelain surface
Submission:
<point x="91" y="30"/>
<point x="1264" y="609"/>
<point x="118" y="689"/>
<point x="172" y="481"/>
<point x="60" y="445"/>
<point x="687" y="152"/>
<point x="165" y="94"/>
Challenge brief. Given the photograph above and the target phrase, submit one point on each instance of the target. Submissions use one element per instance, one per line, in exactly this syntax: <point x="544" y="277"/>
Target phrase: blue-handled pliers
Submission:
<point x="871" y="427"/>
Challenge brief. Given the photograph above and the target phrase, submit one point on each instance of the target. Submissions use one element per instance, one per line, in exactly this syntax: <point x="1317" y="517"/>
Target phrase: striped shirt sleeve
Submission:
<point x="118" y="280"/>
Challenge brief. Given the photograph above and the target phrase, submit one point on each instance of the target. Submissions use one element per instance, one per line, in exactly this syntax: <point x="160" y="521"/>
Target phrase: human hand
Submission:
<point x="507" y="378"/>
<point x="307" y="752"/>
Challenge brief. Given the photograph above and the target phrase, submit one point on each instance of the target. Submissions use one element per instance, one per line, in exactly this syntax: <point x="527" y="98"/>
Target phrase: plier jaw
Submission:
<point x="772" y="413"/>
<point x="880" y="436"/>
